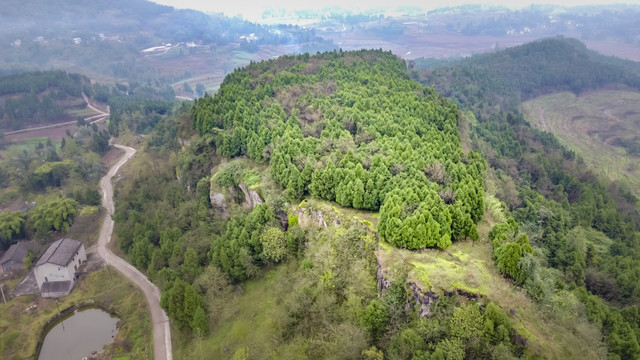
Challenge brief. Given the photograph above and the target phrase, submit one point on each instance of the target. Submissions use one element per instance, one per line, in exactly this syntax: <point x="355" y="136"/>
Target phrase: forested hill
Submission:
<point x="352" y="128"/>
<point x="548" y="189"/>
<point x="507" y="77"/>
<point x="33" y="98"/>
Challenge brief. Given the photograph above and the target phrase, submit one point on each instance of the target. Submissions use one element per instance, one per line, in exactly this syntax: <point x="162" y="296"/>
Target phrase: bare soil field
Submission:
<point x="593" y="125"/>
<point x="418" y="42"/>
<point x="624" y="51"/>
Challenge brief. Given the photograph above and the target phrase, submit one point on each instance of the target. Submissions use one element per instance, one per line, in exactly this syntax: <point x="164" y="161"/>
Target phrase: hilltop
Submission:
<point x="310" y="179"/>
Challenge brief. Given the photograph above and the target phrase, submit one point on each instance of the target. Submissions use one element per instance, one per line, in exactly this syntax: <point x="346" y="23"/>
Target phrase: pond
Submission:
<point x="81" y="334"/>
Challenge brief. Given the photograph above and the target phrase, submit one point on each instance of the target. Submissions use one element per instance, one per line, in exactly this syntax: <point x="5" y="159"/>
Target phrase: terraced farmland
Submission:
<point x="602" y="127"/>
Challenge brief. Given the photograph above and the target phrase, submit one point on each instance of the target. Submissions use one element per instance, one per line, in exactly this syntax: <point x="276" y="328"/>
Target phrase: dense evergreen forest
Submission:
<point x="345" y="132"/>
<point x="33" y="98"/>
<point x="344" y="127"/>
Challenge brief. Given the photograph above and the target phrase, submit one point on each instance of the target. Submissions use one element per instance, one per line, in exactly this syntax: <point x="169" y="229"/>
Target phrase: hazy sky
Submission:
<point x="252" y="9"/>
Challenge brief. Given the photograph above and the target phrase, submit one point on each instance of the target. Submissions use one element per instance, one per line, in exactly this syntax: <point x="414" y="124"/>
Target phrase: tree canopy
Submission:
<point x="352" y="128"/>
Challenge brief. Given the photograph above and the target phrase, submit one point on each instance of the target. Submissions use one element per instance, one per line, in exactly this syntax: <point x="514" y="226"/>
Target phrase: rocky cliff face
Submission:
<point x="307" y="217"/>
<point x="420" y="300"/>
<point x="255" y="197"/>
<point x="218" y="202"/>
<point x="417" y="298"/>
<point x="220" y="197"/>
<point x="383" y="276"/>
<point x="251" y="197"/>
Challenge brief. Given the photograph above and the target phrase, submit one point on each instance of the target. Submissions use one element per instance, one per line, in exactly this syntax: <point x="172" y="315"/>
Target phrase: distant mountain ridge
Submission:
<point x="140" y="21"/>
<point x="507" y="77"/>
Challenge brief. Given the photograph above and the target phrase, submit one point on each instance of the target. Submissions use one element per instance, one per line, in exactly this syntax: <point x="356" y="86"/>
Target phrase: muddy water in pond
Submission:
<point x="80" y="335"/>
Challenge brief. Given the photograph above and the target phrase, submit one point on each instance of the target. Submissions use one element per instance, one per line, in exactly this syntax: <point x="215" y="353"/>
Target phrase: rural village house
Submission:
<point x="12" y="258"/>
<point x="56" y="269"/>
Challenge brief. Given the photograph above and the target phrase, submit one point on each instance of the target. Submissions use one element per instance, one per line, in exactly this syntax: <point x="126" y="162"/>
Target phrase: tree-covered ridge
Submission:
<point x="583" y="229"/>
<point x="352" y="128"/>
<point x="524" y="72"/>
<point x="39" y="97"/>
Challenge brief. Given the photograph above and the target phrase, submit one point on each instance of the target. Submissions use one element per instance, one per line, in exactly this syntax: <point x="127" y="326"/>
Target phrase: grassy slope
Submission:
<point x="244" y="321"/>
<point x="247" y="319"/>
<point x="20" y="328"/>
<point x="470" y="267"/>
<point x="587" y="124"/>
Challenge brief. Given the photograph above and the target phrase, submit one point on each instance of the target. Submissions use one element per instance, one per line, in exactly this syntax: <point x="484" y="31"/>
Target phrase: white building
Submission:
<point x="56" y="269"/>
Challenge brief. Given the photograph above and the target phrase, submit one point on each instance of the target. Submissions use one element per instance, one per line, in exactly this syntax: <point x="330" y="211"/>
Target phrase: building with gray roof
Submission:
<point x="56" y="269"/>
<point x="12" y="259"/>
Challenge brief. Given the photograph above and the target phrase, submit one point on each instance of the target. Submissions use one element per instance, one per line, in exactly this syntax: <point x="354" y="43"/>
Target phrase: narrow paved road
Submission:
<point x="161" y="330"/>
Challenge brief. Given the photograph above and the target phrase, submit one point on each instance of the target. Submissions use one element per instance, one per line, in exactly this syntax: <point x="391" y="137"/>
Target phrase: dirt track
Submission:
<point x="161" y="329"/>
<point x="57" y="131"/>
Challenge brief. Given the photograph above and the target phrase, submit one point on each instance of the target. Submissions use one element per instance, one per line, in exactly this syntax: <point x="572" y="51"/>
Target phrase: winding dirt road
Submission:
<point x="101" y="115"/>
<point x="161" y="330"/>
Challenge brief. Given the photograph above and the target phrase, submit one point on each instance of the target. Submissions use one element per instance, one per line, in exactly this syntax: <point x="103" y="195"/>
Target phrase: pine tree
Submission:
<point x="358" y="194"/>
<point x="200" y="322"/>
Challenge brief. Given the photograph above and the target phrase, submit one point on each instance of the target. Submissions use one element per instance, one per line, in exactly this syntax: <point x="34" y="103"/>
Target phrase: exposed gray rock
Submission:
<point x="416" y="297"/>
<point x="218" y="202"/>
<point x="383" y="277"/>
<point x="469" y="295"/>
<point x="308" y="217"/>
<point x="421" y="300"/>
<point x="247" y="198"/>
<point x="251" y="197"/>
<point x="255" y="197"/>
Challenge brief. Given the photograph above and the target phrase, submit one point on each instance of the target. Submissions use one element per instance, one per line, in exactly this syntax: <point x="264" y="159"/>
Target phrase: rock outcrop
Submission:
<point x="218" y="202"/>
<point x="420" y="300"/>
<point x="255" y="197"/>
<point x="383" y="276"/>
<point x="308" y="217"/>
<point x="416" y="297"/>
<point x="251" y="197"/>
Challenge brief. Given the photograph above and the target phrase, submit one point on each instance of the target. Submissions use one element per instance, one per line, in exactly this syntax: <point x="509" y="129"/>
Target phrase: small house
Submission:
<point x="56" y="269"/>
<point x="12" y="258"/>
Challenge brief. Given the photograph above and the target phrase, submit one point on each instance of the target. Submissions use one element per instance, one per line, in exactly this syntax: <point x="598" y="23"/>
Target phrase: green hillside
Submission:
<point x="552" y="195"/>
<point x="37" y="98"/>
<point x="309" y="179"/>
<point x="500" y="80"/>
<point x="601" y="126"/>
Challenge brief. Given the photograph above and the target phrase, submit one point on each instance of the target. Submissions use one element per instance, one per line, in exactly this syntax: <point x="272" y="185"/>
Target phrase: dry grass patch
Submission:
<point x="592" y="125"/>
